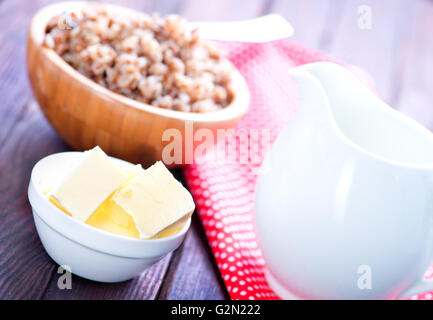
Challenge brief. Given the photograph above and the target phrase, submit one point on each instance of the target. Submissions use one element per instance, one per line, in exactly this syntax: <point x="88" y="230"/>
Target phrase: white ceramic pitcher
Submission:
<point x="344" y="209"/>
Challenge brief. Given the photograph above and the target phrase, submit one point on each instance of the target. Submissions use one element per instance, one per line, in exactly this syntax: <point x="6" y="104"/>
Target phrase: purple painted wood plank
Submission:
<point x="163" y="7"/>
<point x="373" y="49"/>
<point x="415" y="52"/>
<point x="14" y="87"/>
<point x="308" y="18"/>
<point x="25" y="137"/>
<point x="145" y="286"/>
<point x="25" y="269"/>
<point x="223" y="10"/>
<point x="193" y="273"/>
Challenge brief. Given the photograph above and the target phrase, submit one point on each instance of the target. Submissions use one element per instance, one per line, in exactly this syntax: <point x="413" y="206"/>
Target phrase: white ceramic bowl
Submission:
<point x="89" y="252"/>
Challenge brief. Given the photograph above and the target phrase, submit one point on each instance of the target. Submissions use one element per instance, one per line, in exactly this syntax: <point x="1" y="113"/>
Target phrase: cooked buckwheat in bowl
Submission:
<point x="157" y="60"/>
<point x="111" y="76"/>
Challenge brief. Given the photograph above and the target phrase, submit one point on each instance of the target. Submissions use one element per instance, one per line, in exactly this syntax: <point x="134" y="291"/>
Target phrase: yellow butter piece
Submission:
<point x="58" y="205"/>
<point x="133" y="171"/>
<point x="156" y="201"/>
<point x="172" y="229"/>
<point x="92" y="182"/>
<point x="112" y="218"/>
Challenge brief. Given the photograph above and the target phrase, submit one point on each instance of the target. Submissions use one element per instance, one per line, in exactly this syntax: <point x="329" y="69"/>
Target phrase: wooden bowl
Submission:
<point x="86" y="114"/>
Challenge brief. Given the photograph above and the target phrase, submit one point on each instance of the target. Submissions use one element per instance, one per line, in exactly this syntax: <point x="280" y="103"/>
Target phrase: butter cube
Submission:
<point x="156" y="201"/>
<point x="93" y="181"/>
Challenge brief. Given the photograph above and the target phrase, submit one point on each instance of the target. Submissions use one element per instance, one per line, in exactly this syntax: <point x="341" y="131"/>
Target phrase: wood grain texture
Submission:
<point x="373" y="49"/>
<point x="25" y="137"/>
<point x="145" y="286"/>
<point x="414" y="65"/>
<point x="192" y="274"/>
<point x="14" y="88"/>
<point x="298" y="12"/>
<point x="163" y="7"/>
<point x="25" y="269"/>
<point x="223" y="10"/>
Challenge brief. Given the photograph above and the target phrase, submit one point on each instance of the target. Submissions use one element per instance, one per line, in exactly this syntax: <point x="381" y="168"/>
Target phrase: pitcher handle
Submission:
<point x="421" y="286"/>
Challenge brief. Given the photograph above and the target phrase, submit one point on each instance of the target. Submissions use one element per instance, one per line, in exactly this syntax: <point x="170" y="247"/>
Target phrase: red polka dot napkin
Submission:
<point x="223" y="187"/>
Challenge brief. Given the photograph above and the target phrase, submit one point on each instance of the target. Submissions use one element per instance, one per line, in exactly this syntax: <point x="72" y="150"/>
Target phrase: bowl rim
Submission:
<point x="236" y="109"/>
<point x="51" y="210"/>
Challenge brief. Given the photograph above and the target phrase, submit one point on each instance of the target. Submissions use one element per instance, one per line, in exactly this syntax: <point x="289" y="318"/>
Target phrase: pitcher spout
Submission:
<point x="360" y="118"/>
<point x="313" y="101"/>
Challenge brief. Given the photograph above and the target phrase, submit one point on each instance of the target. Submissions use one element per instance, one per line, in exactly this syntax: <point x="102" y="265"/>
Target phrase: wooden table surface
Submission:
<point x="397" y="51"/>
